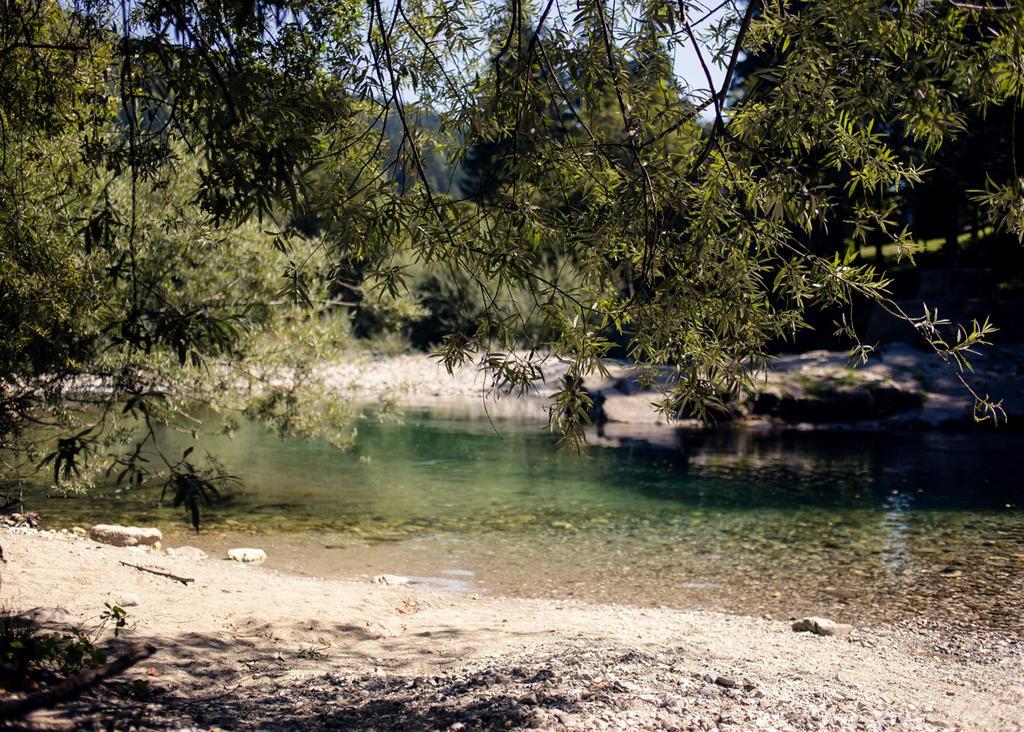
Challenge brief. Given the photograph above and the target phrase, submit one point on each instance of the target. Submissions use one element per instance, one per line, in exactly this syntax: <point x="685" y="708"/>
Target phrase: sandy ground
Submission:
<point x="245" y="647"/>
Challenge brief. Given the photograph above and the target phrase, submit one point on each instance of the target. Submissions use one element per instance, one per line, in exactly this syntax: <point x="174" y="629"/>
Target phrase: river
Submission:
<point x="862" y="527"/>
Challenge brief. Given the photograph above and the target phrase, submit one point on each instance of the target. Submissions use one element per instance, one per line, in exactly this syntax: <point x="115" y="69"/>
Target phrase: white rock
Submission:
<point x="822" y="626"/>
<point x="125" y="535"/>
<point x="390" y="579"/>
<point x="245" y="554"/>
<point x="193" y="553"/>
<point x="636" y="409"/>
<point x="128" y="599"/>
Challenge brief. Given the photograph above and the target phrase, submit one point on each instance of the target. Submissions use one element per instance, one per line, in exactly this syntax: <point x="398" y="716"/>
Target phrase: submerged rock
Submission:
<point x="247" y="555"/>
<point x="117" y="535"/>
<point x="821" y="626"/>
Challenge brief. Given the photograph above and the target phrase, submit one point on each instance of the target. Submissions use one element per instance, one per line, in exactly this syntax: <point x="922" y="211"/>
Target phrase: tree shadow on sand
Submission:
<point x="236" y="683"/>
<point x="486" y="699"/>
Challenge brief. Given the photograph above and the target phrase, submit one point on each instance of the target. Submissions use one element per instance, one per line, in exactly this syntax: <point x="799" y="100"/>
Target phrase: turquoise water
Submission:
<point x="863" y="526"/>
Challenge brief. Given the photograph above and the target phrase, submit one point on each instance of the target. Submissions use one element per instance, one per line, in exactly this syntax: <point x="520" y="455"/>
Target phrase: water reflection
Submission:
<point x="897" y="516"/>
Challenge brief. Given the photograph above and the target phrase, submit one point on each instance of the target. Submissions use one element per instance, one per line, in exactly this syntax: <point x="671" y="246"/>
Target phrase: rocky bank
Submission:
<point x="900" y="388"/>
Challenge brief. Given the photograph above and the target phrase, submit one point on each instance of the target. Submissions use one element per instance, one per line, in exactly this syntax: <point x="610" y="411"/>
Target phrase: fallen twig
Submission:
<point x="182" y="580"/>
<point x="75" y="685"/>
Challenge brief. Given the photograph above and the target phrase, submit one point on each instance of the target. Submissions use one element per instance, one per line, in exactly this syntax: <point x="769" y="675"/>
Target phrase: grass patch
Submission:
<point x="925" y="246"/>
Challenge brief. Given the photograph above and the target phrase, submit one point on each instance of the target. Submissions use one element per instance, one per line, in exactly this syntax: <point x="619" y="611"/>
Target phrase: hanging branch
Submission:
<point x="75" y="685"/>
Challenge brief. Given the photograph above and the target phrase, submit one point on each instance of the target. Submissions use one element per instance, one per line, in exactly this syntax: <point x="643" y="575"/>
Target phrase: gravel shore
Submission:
<point x="244" y="647"/>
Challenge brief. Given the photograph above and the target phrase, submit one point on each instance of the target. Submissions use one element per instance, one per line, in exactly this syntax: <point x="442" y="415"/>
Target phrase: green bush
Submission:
<point x="31" y="655"/>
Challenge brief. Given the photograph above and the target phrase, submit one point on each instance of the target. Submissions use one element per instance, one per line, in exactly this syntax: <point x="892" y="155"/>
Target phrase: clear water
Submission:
<point x="861" y="527"/>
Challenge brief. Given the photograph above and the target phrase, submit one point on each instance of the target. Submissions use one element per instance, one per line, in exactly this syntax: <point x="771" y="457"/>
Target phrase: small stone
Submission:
<point x="390" y="579"/>
<point x="821" y="626"/>
<point x="518" y="712"/>
<point x="128" y="599"/>
<point x="187" y="552"/>
<point x="529" y="699"/>
<point x="79" y="531"/>
<point x="674" y="705"/>
<point x="117" y="535"/>
<point x="707" y="691"/>
<point x="246" y="554"/>
<point x="726" y="682"/>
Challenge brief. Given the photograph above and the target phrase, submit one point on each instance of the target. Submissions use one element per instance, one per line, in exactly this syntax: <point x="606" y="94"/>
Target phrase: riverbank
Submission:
<point x="244" y="646"/>
<point x="901" y="388"/>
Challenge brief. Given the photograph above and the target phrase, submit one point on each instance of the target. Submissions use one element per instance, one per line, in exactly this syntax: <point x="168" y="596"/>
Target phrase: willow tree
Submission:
<point x="683" y="209"/>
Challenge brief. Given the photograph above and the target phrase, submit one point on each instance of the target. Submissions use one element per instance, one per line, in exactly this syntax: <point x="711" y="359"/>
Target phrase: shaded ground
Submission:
<point x="245" y="647"/>
<point x="566" y="687"/>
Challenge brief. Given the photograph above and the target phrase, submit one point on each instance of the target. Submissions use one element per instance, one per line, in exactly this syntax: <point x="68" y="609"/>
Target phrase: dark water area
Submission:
<point x="864" y="527"/>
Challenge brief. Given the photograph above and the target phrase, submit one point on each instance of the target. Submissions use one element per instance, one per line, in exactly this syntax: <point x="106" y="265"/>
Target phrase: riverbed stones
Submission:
<point x="389" y="579"/>
<point x="30" y="519"/>
<point x="117" y="535"/>
<point x="247" y="555"/>
<point x="821" y="626"/>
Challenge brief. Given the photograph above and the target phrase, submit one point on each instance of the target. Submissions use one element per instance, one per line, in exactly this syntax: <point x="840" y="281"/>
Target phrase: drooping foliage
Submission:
<point x="605" y="199"/>
<point x="977" y="150"/>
